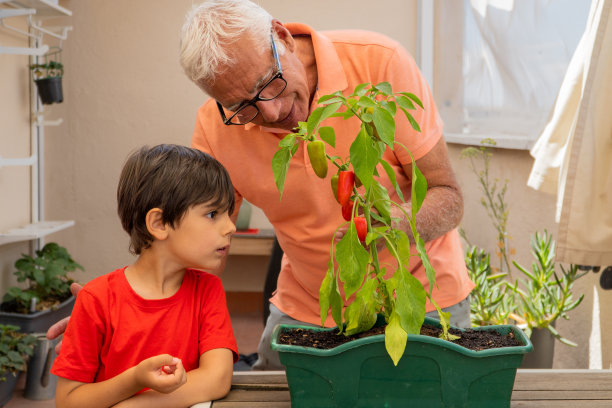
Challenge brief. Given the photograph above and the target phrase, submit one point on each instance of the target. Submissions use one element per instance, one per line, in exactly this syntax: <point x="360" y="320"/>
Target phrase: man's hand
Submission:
<point x="162" y="373"/>
<point x="60" y="327"/>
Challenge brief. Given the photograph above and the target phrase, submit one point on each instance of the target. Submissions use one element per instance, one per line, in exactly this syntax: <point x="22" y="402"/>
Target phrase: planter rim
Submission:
<point x="415" y="338"/>
<point x="39" y="313"/>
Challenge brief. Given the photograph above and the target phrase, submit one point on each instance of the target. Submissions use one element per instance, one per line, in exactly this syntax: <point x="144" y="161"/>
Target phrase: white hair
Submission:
<point x="214" y="25"/>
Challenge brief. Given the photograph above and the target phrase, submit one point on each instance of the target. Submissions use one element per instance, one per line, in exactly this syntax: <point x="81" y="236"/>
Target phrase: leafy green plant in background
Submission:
<point x="46" y="278"/>
<point x="543" y="295"/>
<point x="490" y="302"/>
<point x="15" y="348"/>
<point x="537" y="299"/>
<point x="354" y="264"/>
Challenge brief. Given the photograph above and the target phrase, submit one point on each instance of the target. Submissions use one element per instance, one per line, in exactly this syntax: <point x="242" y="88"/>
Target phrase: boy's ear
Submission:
<point x="155" y="224"/>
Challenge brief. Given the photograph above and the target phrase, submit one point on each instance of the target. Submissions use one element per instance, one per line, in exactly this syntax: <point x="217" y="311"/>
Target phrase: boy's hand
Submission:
<point x="162" y="373"/>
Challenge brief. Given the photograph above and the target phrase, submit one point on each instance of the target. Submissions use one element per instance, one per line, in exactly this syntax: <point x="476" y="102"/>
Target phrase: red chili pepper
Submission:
<point x="346" y="180"/>
<point x="362" y="228"/>
<point x="347" y="210"/>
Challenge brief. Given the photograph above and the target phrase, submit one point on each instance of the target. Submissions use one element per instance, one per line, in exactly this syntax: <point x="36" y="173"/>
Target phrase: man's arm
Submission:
<point x="163" y="373"/>
<point x="442" y="209"/>
<point x="210" y="381"/>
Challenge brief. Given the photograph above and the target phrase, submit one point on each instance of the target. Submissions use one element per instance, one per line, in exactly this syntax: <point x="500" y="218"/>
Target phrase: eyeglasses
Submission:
<point x="247" y="111"/>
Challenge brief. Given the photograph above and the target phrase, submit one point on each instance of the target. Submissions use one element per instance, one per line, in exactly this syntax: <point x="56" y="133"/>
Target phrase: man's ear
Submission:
<point x="155" y="224"/>
<point x="284" y="35"/>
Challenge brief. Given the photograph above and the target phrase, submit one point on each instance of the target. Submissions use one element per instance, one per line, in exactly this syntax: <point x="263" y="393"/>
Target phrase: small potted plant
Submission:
<point x="47" y="297"/>
<point x="15" y="349"/>
<point x="536" y="300"/>
<point x="399" y="366"/>
<point x="48" y="78"/>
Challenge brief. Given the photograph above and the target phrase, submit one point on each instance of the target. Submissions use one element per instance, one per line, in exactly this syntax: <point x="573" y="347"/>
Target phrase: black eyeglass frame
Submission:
<point x="279" y="75"/>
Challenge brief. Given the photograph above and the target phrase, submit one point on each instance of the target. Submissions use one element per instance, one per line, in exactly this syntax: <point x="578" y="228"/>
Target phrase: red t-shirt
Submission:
<point x="112" y="328"/>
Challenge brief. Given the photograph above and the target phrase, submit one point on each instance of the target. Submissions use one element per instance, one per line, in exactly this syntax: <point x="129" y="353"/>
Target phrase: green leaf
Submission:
<point x="360" y="89"/>
<point x="280" y="166"/>
<point x="410" y="301"/>
<point x="361" y="314"/>
<point x="395" y="338"/>
<point x="385" y="87"/>
<point x="325" y="293"/>
<point x="366" y="102"/>
<point x="414" y="98"/>
<point x="419" y="189"/>
<point x="364" y="157"/>
<point x="380" y="198"/>
<point x="429" y="270"/>
<point x="352" y="261"/>
<point x="385" y="125"/>
<point x="288" y="141"/>
<point x="392" y="178"/>
<point x="328" y="135"/>
<point x="320" y="114"/>
<point x="405" y="102"/>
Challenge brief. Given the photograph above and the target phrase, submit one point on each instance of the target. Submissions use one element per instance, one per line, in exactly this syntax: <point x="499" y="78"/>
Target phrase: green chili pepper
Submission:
<point x="318" y="160"/>
<point x="334" y="185"/>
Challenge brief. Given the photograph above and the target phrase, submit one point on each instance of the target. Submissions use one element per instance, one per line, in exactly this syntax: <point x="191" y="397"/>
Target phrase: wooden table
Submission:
<point x="259" y="243"/>
<point x="532" y="389"/>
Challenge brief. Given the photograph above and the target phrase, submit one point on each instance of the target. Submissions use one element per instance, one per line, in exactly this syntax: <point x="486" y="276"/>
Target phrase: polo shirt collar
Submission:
<point x="331" y="79"/>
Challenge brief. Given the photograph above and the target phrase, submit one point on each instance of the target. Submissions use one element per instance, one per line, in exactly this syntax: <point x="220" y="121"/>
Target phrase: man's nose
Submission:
<point x="269" y="110"/>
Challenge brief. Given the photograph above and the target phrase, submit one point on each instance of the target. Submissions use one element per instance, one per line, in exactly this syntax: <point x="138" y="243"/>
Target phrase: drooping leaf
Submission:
<point x="352" y="261"/>
<point x="419" y="189"/>
<point x="385" y="126"/>
<point x="280" y="166"/>
<point x="380" y="197"/>
<point x="429" y="270"/>
<point x="392" y="178"/>
<point x="364" y="157"/>
<point x="410" y="301"/>
<point x="328" y="135"/>
<point x="361" y="314"/>
<point x="395" y="338"/>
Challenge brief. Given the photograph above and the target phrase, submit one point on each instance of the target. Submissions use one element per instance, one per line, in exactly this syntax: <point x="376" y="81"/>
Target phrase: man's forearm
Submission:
<point x="441" y="211"/>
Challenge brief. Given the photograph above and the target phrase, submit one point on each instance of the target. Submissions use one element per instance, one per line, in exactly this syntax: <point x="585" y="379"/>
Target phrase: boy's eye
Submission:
<point x="212" y="214"/>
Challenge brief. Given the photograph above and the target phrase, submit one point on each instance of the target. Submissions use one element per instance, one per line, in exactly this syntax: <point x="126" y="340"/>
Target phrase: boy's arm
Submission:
<point x="163" y="373"/>
<point x="210" y="381"/>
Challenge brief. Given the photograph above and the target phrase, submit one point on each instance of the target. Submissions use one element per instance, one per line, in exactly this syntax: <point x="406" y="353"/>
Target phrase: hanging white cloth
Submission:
<point x="573" y="155"/>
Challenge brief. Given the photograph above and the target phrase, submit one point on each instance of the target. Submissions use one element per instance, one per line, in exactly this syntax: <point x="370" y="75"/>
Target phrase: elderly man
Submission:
<point x="264" y="77"/>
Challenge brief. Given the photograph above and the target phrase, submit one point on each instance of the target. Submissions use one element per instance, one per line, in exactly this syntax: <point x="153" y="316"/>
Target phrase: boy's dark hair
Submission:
<point x="172" y="178"/>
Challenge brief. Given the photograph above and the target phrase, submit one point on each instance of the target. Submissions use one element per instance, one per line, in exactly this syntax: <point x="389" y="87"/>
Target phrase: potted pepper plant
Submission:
<point x="398" y="366"/>
<point x="48" y="78"/>
<point x="15" y="349"/>
<point x="47" y="297"/>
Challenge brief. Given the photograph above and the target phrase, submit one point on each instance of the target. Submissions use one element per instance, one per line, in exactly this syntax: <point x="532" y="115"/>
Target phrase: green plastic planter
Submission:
<point x="432" y="372"/>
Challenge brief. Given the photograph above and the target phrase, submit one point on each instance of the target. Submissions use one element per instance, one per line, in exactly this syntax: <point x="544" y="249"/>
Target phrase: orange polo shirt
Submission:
<point x="308" y="214"/>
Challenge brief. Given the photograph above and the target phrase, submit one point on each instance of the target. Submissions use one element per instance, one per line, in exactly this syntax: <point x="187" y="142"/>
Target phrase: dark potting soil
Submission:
<point x="471" y="339"/>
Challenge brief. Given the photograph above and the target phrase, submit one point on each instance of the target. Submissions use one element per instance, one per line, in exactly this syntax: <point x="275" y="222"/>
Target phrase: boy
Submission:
<point x="157" y="331"/>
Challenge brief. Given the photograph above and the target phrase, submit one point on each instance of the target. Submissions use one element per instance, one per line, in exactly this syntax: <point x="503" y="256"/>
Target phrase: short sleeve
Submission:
<point x="215" y="327"/>
<point x="405" y="76"/>
<point x="78" y="359"/>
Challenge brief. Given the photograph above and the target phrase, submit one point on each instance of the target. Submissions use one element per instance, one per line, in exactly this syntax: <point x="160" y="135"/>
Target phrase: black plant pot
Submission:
<point x="50" y="90"/>
<point x="7" y="387"/>
<point x="38" y="322"/>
